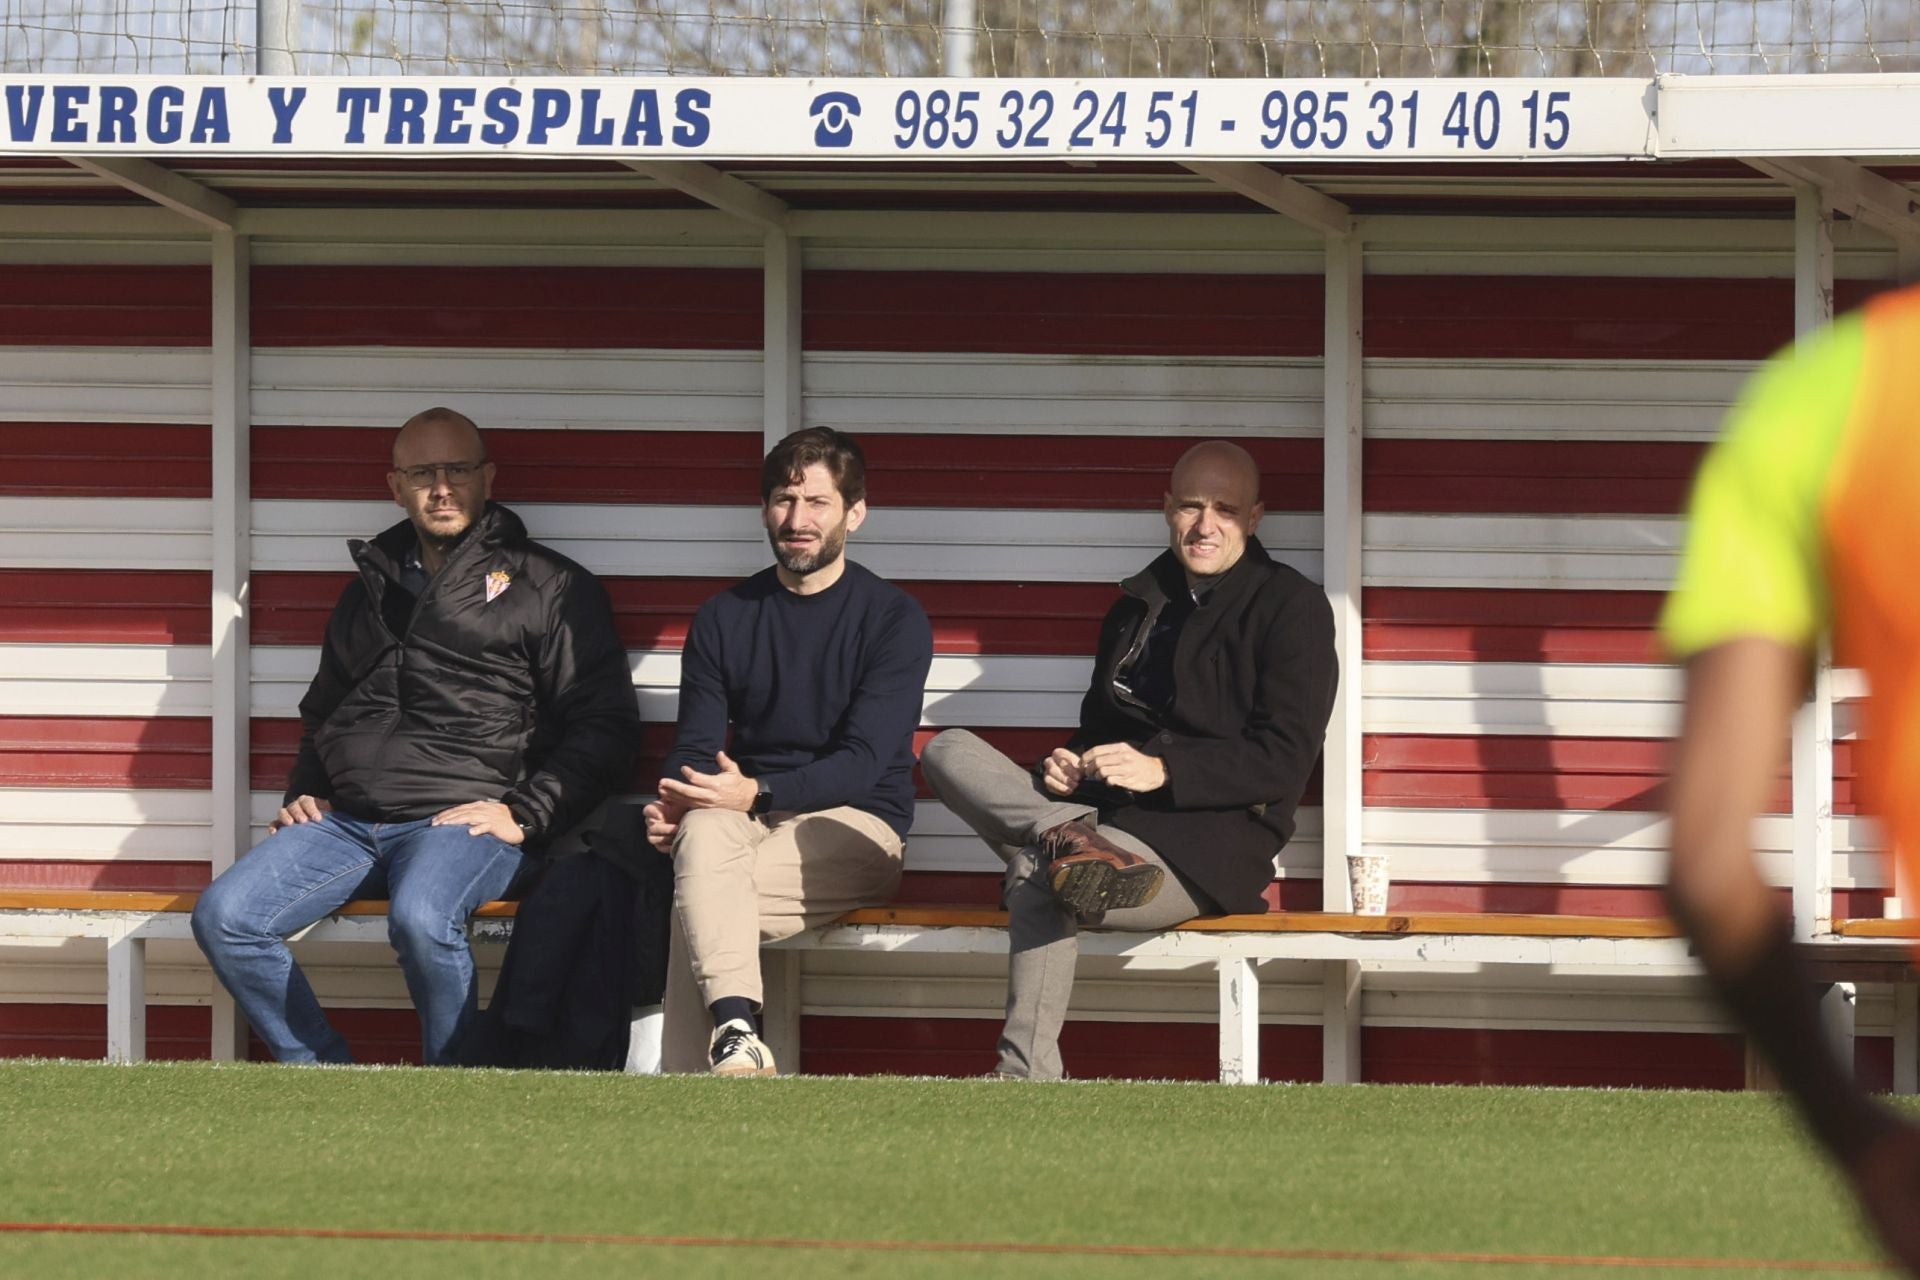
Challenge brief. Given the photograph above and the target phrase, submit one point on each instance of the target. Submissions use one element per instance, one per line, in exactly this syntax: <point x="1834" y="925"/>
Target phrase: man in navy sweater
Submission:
<point x="816" y="667"/>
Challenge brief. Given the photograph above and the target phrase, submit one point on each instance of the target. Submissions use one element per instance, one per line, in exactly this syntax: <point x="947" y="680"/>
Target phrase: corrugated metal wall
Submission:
<point x="1531" y="428"/>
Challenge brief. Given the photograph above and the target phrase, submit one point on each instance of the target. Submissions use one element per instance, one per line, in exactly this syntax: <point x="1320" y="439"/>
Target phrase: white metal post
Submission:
<point x="957" y="39"/>
<point x="1906" y="1038"/>
<point x="1813" y="725"/>
<point x="1239" y="1020"/>
<point x="232" y="558"/>
<point x="1341" y="808"/>
<point x="126" y="995"/>
<point x="277" y="35"/>
<point x="1341" y="836"/>
<point x="781" y="355"/>
<point x="1340" y="1023"/>
<point x="1906" y="260"/>
<point x="780" y="1007"/>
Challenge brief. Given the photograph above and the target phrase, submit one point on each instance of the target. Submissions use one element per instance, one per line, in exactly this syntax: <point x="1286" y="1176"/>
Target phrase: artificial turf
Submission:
<point x="1375" y="1169"/>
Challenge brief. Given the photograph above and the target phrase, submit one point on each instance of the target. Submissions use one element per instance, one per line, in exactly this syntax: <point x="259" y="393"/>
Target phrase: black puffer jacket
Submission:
<point x="526" y="698"/>
<point x="1253" y="675"/>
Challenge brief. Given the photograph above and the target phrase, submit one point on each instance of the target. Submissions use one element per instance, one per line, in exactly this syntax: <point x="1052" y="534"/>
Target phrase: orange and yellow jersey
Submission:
<point x="1806" y="520"/>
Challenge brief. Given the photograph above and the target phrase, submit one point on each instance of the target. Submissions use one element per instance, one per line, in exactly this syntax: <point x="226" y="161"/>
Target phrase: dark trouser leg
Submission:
<point x="285" y="883"/>
<point x="439" y="875"/>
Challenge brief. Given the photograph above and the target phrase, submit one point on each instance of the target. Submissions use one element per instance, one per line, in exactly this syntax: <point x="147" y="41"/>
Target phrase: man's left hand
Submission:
<point x="482" y="818"/>
<point x="1119" y="765"/>
<point x="727" y="789"/>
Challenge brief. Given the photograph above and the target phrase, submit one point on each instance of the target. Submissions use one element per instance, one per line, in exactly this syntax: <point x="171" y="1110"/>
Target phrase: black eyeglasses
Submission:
<point x="457" y="473"/>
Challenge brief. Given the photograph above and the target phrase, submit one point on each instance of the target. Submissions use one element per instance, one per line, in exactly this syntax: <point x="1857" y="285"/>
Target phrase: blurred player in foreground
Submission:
<point x="1805" y="522"/>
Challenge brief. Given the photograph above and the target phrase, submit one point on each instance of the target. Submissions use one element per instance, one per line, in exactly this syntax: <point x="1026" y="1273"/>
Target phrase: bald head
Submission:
<point x="1218" y="462"/>
<point x="1212" y="507"/>
<point x="437" y="435"/>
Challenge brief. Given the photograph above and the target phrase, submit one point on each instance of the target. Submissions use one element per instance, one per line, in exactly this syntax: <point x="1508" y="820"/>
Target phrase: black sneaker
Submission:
<point x="737" y="1051"/>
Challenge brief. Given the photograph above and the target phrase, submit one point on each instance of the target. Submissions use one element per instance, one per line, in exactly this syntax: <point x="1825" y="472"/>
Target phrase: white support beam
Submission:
<point x="1279" y="193"/>
<point x="781" y="402"/>
<point x="721" y="190"/>
<point x="164" y="187"/>
<point x="1813" y="723"/>
<point x="1340" y="1023"/>
<point x="1342" y="391"/>
<point x="1906" y="254"/>
<point x="780" y="1008"/>
<point x="1839" y="1005"/>
<point x="644" y="1040"/>
<point x="278" y="37"/>
<point x="232" y="563"/>
<point x="1906" y="1038"/>
<point x="1850" y="189"/>
<point x="126" y="995"/>
<point x="1239" y="1020"/>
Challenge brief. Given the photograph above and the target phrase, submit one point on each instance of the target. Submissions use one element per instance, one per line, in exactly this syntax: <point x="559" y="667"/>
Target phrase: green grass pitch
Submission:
<point x="733" y="1167"/>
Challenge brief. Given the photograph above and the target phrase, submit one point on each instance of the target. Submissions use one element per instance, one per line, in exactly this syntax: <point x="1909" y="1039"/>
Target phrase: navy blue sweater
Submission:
<point x="822" y="692"/>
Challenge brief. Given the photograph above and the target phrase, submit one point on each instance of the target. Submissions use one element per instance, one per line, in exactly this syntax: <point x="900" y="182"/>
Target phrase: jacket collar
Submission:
<point x="496" y="528"/>
<point x="1164" y="578"/>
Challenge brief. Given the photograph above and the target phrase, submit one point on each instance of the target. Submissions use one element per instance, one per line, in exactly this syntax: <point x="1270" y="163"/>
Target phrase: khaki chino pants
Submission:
<point x="740" y="881"/>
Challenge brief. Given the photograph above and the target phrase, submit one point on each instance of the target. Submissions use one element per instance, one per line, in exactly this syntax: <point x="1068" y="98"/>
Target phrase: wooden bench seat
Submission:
<point x="1233" y="945"/>
<point x="1484" y="924"/>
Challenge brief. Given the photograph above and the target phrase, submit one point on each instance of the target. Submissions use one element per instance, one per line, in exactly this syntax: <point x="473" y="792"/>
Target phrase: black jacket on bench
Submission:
<point x="589" y="946"/>
<point x="1253" y="682"/>
<point x="526" y="697"/>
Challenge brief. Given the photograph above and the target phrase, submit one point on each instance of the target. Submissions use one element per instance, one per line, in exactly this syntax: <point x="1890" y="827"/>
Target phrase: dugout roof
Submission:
<point x="777" y="152"/>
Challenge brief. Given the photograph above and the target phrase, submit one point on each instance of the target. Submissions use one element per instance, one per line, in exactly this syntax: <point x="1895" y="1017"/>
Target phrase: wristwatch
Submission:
<point x="762" y="800"/>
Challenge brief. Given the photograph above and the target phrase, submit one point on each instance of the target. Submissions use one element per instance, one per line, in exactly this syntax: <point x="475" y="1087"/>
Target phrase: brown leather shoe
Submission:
<point x="1091" y="875"/>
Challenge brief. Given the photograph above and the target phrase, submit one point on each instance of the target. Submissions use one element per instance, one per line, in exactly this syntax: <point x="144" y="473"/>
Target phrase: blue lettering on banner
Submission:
<point x="285" y="104"/>
<point x="23" y="110"/>
<point x="117" y="102"/>
<point x="454" y="129"/>
<point x="501" y="104"/>
<point x="643" y="120"/>
<point x="690" y="107"/>
<point x="210" y="122"/>
<point x="1298" y="118"/>
<point x="356" y="103"/>
<point x="596" y="130"/>
<point x="551" y="107"/>
<point x="407" y="117"/>
<point x="67" y="101"/>
<point x="166" y="106"/>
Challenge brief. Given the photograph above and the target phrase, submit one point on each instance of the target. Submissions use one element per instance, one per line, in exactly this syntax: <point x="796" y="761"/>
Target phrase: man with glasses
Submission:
<point x="1212" y="686"/>
<point x="473" y="702"/>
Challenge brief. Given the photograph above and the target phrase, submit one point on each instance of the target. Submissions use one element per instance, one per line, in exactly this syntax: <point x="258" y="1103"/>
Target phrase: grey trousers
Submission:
<point x="1009" y="808"/>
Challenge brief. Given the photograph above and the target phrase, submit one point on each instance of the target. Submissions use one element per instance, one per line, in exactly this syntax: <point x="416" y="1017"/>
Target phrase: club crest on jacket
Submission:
<point x="497" y="581"/>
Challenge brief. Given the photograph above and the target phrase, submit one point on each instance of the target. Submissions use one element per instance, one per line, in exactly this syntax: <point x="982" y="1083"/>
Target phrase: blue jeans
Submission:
<point x="434" y="876"/>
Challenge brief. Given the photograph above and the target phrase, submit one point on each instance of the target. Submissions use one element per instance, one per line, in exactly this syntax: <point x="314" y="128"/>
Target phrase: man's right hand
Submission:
<point x="663" y="820"/>
<point x="1061" y="772"/>
<point x="297" y="810"/>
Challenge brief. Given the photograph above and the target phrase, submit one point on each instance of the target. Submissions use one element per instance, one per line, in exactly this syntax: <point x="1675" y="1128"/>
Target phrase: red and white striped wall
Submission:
<point x="1534" y="399"/>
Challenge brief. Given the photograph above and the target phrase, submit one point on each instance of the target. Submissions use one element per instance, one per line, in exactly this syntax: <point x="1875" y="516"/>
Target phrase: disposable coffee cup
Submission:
<point x="1367" y="874"/>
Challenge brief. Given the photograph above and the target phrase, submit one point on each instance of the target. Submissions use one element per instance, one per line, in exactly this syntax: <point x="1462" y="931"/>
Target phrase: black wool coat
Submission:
<point x="1254" y="675"/>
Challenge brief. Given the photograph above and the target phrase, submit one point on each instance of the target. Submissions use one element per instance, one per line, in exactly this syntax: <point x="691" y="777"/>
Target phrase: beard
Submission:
<point x="831" y="545"/>
<point x="444" y="539"/>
